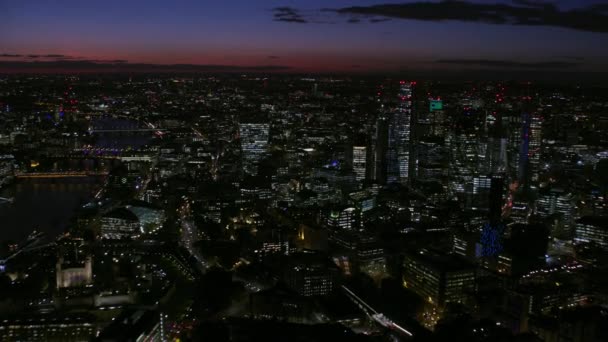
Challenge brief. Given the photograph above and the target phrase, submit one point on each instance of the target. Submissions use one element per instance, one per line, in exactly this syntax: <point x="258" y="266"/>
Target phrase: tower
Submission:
<point x="399" y="135"/>
<point x="254" y="138"/>
<point x="379" y="149"/>
<point x="359" y="162"/>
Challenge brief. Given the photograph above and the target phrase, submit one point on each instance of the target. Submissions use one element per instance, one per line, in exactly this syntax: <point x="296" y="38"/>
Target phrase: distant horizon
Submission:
<point x="341" y="36"/>
<point x="464" y="75"/>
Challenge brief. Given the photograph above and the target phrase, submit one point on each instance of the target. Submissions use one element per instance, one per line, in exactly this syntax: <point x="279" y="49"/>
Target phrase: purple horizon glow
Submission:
<point x="243" y="33"/>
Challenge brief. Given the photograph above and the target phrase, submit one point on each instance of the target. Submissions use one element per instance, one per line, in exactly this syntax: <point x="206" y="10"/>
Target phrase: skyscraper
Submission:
<point x="359" y="162"/>
<point x="398" y="153"/>
<point x="379" y="149"/>
<point x="534" y="150"/>
<point x="254" y="138"/>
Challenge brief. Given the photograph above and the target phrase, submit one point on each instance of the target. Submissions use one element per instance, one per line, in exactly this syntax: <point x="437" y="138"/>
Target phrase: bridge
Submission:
<point x="67" y="174"/>
<point x="7" y="200"/>
<point x="119" y="130"/>
<point x="32" y="243"/>
<point x="374" y="314"/>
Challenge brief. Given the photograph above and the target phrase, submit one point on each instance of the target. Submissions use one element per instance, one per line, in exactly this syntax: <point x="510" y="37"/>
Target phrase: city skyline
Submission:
<point x="349" y="170"/>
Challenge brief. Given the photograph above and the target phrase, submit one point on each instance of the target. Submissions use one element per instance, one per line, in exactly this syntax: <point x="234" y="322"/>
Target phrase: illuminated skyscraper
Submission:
<point x="398" y="154"/>
<point x="379" y="149"/>
<point x="254" y="138"/>
<point x="529" y="153"/>
<point x="359" y="162"/>
<point x="534" y="151"/>
<point x="522" y="164"/>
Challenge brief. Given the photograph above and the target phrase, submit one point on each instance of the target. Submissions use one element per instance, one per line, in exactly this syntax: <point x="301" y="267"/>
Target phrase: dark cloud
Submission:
<point x="106" y="61"/>
<point x="592" y="18"/>
<point x="36" y="56"/>
<point x="294" y="15"/>
<point x="353" y="21"/>
<point x="62" y="66"/>
<point x="493" y="63"/>
<point x="49" y="56"/>
<point x="288" y="14"/>
<point x="273" y="57"/>
<point x="58" y="56"/>
<point x="378" y="20"/>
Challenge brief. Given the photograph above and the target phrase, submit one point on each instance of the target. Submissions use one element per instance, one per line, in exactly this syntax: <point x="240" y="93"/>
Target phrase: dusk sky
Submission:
<point x="305" y="35"/>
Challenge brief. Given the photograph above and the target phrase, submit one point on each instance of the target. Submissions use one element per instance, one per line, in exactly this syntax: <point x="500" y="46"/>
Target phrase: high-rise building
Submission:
<point x="342" y="218"/>
<point x="254" y="138"/>
<point x="530" y="150"/>
<point x="524" y="149"/>
<point x="379" y="149"/>
<point x="399" y="135"/>
<point x="534" y="151"/>
<point x="592" y="229"/>
<point x="359" y="162"/>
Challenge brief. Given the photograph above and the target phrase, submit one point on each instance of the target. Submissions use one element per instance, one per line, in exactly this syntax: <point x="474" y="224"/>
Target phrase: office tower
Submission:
<point x="495" y="159"/>
<point x="464" y="163"/>
<point x="464" y="243"/>
<point x="524" y="147"/>
<point x="481" y="193"/>
<point x="592" y="229"/>
<point x="520" y="211"/>
<point x="534" y="150"/>
<point x="558" y="205"/>
<point x="524" y="249"/>
<point x="530" y="150"/>
<point x="254" y="138"/>
<point x="119" y="223"/>
<point x="359" y="162"/>
<point x="399" y="134"/>
<point x="379" y="149"/>
<point x="438" y="117"/>
<point x="430" y="155"/>
<point x="438" y="279"/>
<point x="310" y="274"/>
<point x="496" y="198"/>
<point x="513" y="124"/>
<point x="491" y="241"/>
<point x="342" y="218"/>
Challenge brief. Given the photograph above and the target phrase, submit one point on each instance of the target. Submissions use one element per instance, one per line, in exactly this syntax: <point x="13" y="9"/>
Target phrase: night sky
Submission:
<point x="303" y="36"/>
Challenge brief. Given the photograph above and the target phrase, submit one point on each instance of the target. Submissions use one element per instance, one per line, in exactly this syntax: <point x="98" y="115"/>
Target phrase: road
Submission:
<point x="190" y="235"/>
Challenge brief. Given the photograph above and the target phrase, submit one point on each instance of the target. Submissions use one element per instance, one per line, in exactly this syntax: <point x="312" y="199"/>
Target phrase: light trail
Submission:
<point x="376" y="316"/>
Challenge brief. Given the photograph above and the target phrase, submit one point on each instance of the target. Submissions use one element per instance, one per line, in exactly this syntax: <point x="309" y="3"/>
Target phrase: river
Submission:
<point x="43" y="204"/>
<point x="48" y="205"/>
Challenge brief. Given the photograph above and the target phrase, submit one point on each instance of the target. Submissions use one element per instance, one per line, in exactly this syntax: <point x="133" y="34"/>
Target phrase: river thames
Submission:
<point x="48" y="205"/>
<point x="45" y="205"/>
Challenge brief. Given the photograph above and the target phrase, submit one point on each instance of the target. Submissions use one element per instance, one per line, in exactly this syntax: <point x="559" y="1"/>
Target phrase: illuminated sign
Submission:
<point x="435" y="105"/>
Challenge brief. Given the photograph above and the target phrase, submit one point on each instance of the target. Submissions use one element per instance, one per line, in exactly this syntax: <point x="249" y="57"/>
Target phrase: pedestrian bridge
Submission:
<point x="66" y="174"/>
